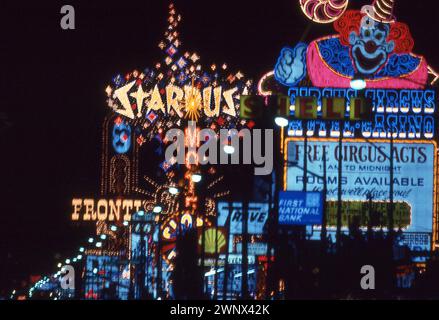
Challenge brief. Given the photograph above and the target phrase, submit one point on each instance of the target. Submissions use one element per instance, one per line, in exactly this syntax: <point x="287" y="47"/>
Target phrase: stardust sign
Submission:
<point x="213" y="100"/>
<point x="366" y="173"/>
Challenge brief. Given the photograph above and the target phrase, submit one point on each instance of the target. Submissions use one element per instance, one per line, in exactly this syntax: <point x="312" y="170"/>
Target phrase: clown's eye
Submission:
<point x="379" y="36"/>
<point x="367" y="33"/>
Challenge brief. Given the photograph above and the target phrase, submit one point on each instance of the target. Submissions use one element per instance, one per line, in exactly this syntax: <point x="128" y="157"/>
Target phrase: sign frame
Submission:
<point x="434" y="236"/>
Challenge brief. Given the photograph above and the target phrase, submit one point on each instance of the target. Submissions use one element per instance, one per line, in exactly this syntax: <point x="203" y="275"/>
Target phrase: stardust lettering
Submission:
<point x="214" y="100"/>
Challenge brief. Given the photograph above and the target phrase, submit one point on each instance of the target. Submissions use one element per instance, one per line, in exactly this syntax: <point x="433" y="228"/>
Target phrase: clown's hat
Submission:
<point x="382" y="11"/>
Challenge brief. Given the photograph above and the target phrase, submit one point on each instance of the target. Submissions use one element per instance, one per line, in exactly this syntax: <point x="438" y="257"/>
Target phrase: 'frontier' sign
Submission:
<point x="105" y="209"/>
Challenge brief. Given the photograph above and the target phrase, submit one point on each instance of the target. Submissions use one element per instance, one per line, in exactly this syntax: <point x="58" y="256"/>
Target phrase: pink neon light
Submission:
<point x="323" y="76"/>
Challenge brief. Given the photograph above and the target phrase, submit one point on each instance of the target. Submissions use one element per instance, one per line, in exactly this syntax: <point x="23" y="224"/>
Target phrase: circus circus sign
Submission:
<point x="369" y="44"/>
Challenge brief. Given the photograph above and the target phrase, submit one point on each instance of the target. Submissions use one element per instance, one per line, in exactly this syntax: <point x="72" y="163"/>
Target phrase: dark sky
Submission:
<point x="52" y="89"/>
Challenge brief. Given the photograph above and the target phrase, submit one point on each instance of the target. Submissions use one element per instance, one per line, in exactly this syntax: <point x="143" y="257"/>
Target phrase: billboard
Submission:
<point x="257" y="216"/>
<point x="365" y="179"/>
<point x="300" y="208"/>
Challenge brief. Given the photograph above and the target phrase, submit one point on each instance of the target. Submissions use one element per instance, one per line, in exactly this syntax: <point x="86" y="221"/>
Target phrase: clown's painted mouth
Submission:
<point x="368" y="64"/>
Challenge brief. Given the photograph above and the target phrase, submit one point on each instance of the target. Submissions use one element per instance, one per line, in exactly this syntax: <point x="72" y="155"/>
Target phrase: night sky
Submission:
<point x="52" y="85"/>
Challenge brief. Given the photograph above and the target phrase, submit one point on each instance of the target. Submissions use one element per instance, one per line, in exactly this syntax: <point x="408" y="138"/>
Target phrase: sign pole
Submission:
<point x="215" y="283"/>
<point x="226" y="262"/>
<point x="244" y="251"/>
<point x="339" y="192"/>
<point x="391" y="160"/>
<point x="325" y="193"/>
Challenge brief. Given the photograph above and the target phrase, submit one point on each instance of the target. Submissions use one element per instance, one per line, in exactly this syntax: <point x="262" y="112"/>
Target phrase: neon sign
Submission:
<point x="177" y="89"/>
<point x="105" y="209"/>
<point x="405" y="114"/>
<point x="365" y="176"/>
<point x="378" y="49"/>
<point x="174" y="98"/>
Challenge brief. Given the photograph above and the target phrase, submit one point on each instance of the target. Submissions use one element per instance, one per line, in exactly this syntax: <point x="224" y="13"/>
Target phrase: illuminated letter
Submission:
<point x="207" y="99"/>
<point x="114" y="210"/>
<point x="156" y="102"/>
<point x="89" y="213"/>
<point x="228" y="96"/>
<point x="173" y="97"/>
<point x="140" y="95"/>
<point x="77" y="205"/>
<point x="137" y="205"/>
<point x="122" y="95"/>
<point x="102" y="215"/>
<point x="217" y="96"/>
<point x="306" y="107"/>
<point x="428" y="127"/>
<point x="128" y="206"/>
<point x="333" y="108"/>
<point x="361" y="109"/>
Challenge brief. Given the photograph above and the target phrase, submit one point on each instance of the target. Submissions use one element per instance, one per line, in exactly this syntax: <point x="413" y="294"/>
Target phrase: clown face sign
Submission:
<point x="380" y="52"/>
<point x="370" y="48"/>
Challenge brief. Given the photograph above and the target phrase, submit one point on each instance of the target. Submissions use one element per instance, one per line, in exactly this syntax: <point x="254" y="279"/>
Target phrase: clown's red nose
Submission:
<point x="370" y="47"/>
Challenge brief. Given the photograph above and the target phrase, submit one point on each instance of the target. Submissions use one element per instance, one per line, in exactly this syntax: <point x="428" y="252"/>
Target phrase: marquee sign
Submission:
<point x="365" y="175"/>
<point x="408" y="114"/>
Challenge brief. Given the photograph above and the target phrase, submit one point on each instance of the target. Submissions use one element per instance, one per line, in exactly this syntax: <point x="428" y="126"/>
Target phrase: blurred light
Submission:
<point x="157" y="209"/>
<point x="98" y="244"/>
<point x="95" y="270"/>
<point x="81" y="249"/>
<point x="173" y="190"/>
<point x="113" y="228"/>
<point x="90" y="240"/>
<point x="79" y="257"/>
<point x="103" y="236"/>
<point x="212" y="272"/>
<point x="126" y="223"/>
<point x="228" y="149"/>
<point x="67" y="261"/>
<point x="59" y="265"/>
<point x="281" y="122"/>
<point x="141" y="213"/>
<point x="196" y="177"/>
<point x="74" y="259"/>
<point x="358" y="83"/>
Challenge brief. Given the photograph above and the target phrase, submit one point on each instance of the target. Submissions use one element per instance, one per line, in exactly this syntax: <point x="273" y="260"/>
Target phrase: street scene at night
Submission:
<point x="222" y="151"/>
